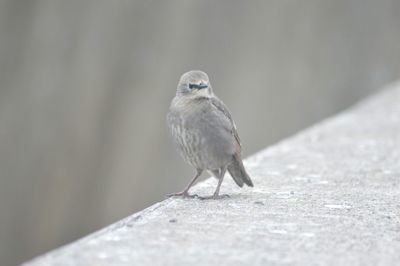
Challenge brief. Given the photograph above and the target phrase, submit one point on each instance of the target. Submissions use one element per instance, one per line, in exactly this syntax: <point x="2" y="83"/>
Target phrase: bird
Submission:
<point x="205" y="134"/>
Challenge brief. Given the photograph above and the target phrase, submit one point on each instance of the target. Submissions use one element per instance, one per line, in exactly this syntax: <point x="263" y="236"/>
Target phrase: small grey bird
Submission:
<point x="204" y="133"/>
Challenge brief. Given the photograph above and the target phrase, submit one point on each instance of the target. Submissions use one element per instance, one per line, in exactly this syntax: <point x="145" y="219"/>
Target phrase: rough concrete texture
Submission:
<point x="328" y="196"/>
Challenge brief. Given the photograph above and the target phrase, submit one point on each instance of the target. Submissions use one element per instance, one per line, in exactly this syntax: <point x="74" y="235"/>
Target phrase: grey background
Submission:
<point x="85" y="86"/>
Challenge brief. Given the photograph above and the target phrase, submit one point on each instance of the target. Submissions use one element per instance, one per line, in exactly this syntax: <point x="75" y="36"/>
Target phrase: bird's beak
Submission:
<point x="202" y="85"/>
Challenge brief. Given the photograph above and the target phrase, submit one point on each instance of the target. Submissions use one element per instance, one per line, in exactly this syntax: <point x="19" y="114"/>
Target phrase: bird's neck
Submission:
<point x="188" y="101"/>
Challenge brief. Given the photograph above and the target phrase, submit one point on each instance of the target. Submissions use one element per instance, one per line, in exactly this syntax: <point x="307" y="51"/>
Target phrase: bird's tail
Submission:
<point x="238" y="173"/>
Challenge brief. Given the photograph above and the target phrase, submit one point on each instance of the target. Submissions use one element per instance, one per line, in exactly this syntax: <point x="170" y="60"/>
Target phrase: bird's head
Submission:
<point x="194" y="83"/>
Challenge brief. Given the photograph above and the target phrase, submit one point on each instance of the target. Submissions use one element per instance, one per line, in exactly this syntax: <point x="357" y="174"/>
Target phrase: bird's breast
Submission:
<point x="201" y="138"/>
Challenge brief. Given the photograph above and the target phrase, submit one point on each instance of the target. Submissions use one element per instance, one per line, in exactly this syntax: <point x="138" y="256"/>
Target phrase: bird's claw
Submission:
<point x="216" y="197"/>
<point x="182" y="194"/>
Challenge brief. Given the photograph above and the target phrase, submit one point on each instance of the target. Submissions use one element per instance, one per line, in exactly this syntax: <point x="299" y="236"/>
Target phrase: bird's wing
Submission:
<point x="220" y="106"/>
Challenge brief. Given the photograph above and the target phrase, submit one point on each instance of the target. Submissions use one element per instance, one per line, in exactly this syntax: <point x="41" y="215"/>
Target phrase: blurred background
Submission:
<point x="85" y="86"/>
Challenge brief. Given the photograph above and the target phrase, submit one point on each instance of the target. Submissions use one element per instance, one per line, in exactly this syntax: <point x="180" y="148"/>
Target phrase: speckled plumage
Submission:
<point x="204" y="132"/>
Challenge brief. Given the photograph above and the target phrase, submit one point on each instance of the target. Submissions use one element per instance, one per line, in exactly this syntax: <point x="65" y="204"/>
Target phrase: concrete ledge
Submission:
<point x="328" y="196"/>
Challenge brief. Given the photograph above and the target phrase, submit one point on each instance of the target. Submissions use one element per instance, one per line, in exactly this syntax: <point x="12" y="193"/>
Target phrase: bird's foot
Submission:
<point x="183" y="194"/>
<point x="216" y="197"/>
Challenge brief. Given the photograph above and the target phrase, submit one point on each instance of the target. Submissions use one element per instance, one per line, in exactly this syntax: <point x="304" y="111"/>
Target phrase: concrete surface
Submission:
<point x="327" y="196"/>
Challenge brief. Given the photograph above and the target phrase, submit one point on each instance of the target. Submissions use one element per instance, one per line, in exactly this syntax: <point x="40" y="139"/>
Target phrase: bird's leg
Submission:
<point x="185" y="192"/>
<point x="216" y="195"/>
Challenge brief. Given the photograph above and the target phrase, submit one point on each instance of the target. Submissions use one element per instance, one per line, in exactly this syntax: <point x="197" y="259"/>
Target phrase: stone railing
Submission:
<point x="330" y="195"/>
